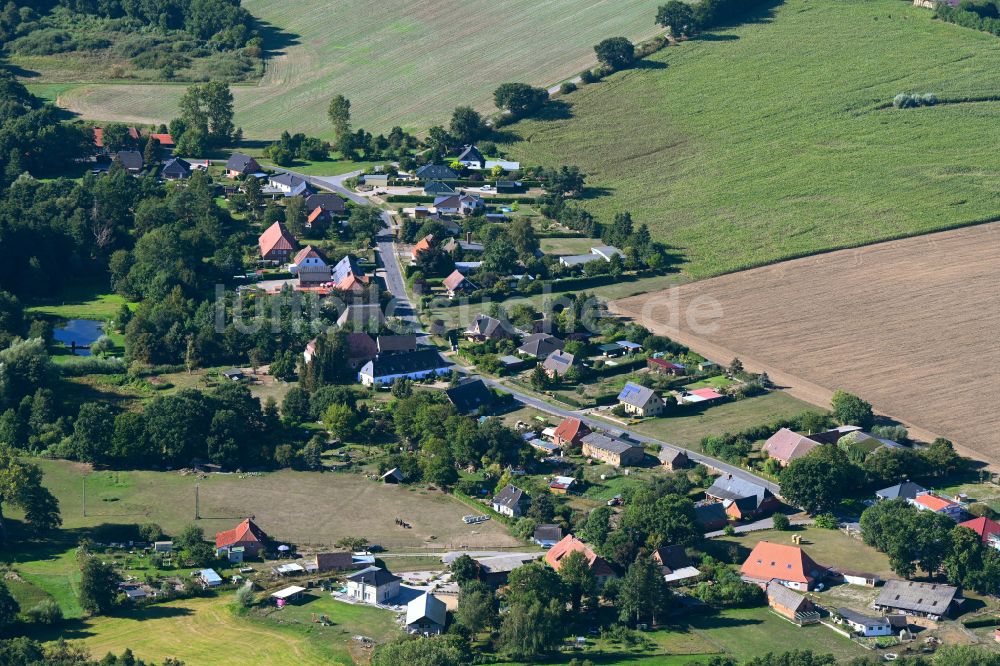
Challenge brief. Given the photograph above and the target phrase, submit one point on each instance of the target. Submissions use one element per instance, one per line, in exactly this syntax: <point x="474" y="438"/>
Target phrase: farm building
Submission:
<point x="570" y="433"/>
<point x="510" y="501"/>
<point x="239" y="165"/>
<point x="930" y="600"/>
<point x="673" y="459"/>
<point x="471" y="396"/>
<point x="246" y="535"/>
<point x="928" y="501"/>
<point x="385" y="369"/>
<point x="163" y="546"/>
<point x="373" y="585"/>
<point x="375" y="179"/>
<point x="426" y="615"/>
<point x="558" y="363"/>
<point x="859" y="578"/>
<point x="666" y="367"/>
<point x="494" y="569"/>
<point x="865" y="625"/>
<point x="601" y="570"/>
<point x="547" y="536"/>
<point x="547" y="448"/>
<point x="392" y="344"/>
<point x="335" y="561"/>
<point x="611" y="450"/>
<point x="290" y="593"/>
<point x="392" y="476"/>
<point x="787" y="565"/>
<point x="640" y="400"/>
<point x="277" y="243"/>
<point x="710" y="516"/>
<point x="561" y="485"/>
<point x="792" y="605"/>
<point x="540" y="345"/>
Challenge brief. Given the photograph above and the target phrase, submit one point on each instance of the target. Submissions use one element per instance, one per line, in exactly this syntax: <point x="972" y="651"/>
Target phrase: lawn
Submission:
<point x="768" y="140"/>
<point x="692" y="424"/>
<point x="307" y="508"/>
<point x="85" y="299"/>
<point x="394" y="62"/>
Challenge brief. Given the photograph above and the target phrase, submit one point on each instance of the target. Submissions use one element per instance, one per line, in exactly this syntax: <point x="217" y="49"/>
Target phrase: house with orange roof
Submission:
<point x="422" y="245"/>
<point x="599" y="567"/>
<point x="456" y="283"/>
<point x="988" y="530"/>
<point x="570" y="433"/>
<point x="166" y="141"/>
<point x="928" y="501"/>
<point x="787" y="445"/>
<point x="246" y="535"/>
<point x="277" y="243"/>
<point x="788" y="565"/>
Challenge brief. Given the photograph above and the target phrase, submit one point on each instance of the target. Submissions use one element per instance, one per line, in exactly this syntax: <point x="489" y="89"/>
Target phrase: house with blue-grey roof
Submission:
<point x="640" y="400"/>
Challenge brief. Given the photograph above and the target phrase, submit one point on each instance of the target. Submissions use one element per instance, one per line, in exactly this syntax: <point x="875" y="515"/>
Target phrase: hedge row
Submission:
<point x="419" y="198"/>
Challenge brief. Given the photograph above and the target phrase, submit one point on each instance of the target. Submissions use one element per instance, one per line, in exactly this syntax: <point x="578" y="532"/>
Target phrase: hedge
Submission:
<point x="419" y="198"/>
<point x="976" y="623"/>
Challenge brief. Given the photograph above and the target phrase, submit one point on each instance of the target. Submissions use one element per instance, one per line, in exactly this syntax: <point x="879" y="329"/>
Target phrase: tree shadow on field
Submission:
<point x="19" y="71"/>
<point x="762" y="12"/>
<point x="712" y="37"/>
<point x="554" y="109"/>
<point x="648" y="64"/>
<point x="275" y="39"/>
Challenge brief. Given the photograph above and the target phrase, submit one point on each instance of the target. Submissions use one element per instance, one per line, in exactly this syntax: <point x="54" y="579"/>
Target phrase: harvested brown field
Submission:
<point x="910" y="325"/>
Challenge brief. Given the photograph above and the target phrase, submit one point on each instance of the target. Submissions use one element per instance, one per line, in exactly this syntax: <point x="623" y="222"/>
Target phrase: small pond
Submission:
<point x="82" y="332"/>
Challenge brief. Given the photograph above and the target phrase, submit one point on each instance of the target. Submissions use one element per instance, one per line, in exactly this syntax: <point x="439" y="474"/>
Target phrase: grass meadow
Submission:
<point x="406" y="64"/>
<point x="770" y="140"/>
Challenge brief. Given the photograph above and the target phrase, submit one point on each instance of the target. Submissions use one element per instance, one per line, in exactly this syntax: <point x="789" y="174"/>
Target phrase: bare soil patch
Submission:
<point x="910" y="325"/>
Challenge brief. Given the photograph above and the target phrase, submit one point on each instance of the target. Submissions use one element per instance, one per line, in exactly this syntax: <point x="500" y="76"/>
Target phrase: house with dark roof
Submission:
<point x="865" y="625"/>
<point x="907" y="490"/>
<point x="471" y="158"/>
<point x="435" y="188"/>
<point x="435" y="172"/>
<point x="570" y="433"/>
<point x="239" y="165"/>
<point x="484" y="328"/>
<point x="788" y="565"/>
<point x="930" y="600"/>
<point x="612" y="450"/>
<point x="392" y="344"/>
<point x="599" y="567"/>
<point x="289" y="184"/>
<point x="471" y="396"/>
<point x="311" y="267"/>
<point x="246" y="535"/>
<point x="540" y="345"/>
<point x="384" y="369"/>
<point x="547" y="535"/>
<point x="675" y="565"/>
<point x="426" y="615"/>
<point x="741" y="498"/>
<point x="673" y="459"/>
<point x="510" y="501"/>
<point x="373" y="585"/>
<point x="509" y="186"/>
<point x="454" y="245"/>
<point x="558" y="363"/>
<point x="640" y="400"/>
<point x="330" y="203"/>
<point x="131" y="160"/>
<point x="277" y="243"/>
<point x="176" y="169"/>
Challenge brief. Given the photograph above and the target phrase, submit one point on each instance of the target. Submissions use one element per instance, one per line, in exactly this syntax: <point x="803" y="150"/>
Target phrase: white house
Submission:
<point x="288" y="184"/>
<point x="386" y="368"/>
<point x="509" y="501"/>
<point x="373" y="585"/>
<point x="864" y="624"/>
<point x="426" y="615"/>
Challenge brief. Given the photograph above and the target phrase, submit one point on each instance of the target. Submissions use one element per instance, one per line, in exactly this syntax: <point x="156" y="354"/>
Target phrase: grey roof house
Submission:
<point x="472" y="158"/>
<point x="558" y="363"/>
<point x="131" y="160"/>
<point x="436" y="172"/>
<point x="907" y="490"/>
<point x="386" y="368"/>
<point x="540" y="345"/>
<point x="435" y="188"/>
<point x="176" y="169"/>
<point x="510" y="501"/>
<point x="470" y="396"/>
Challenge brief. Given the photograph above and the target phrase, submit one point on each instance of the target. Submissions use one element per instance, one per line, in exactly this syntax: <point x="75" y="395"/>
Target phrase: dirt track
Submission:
<point x="910" y="325"/>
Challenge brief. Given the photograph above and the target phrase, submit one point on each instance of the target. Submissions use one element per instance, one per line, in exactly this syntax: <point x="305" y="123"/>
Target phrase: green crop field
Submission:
<point x="767" y="140"/>
<point x="408" y="63"/>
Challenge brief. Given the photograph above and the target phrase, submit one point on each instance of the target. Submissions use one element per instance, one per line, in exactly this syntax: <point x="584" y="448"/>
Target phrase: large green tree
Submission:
<point x="577" y="579"/>
<point x="677" y="17"/>
<point x="615" y="52"/>
<point x="98" y="586"/>
<point x="21" y="486"/>
<point x="643" y="596"/>
<point x="849" y="409"/>
<point x="208" y="107"/>
<point x="519" y="99"/>
<point x="466" y="124"/>
<point x="818" y="481"/>
<point x="339" y="113"/>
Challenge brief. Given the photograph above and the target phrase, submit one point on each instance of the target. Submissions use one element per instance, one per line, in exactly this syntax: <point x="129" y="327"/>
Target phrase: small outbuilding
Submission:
<point x="426" y="615"/>
<point x="290" y="593"/>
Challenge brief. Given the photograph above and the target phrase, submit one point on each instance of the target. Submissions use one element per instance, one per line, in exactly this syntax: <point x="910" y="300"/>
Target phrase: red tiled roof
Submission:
<point x="707" y="393"/>
<point x="133" y="133"/>
<point x="352" y="282"/>
<point x="276" y="237"/>
<point x="98" y="137"/>
<point x="984" y="527"/>
<point x="569" y="543"/>
<point x="164" y="139"/>
<point x="423" y="244"/>
<point x="570" y="429"/>
<point x="315" y="214"/>
<point x="307" y="252"/>
<point x="786" y="445"/>
<point x="667" y="365"/>
<point x="933" y="502"/>
<point x="245" y="531"/>
<point x="769" y="561"/>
